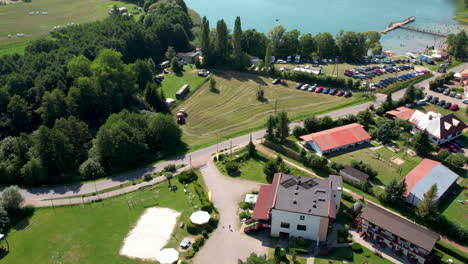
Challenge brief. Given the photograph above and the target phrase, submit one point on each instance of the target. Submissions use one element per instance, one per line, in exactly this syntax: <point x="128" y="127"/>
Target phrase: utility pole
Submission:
<point x="190" y="157"/>
<point x="276" y="106"/>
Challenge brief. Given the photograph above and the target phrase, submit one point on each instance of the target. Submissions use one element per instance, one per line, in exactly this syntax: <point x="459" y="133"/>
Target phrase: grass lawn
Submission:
<point x="386" y="168"/>
<point x="455" y="211"/>
<point x="234" y="109"/>
<point x="338" y="255"/>
<point x="93" y="233"/>
<point x="173" y="82"/>
<point x="252" y="169"/>
<point x="15" y="19"/>
<point x="461" y="12"/>
<point x="460" y="113"/>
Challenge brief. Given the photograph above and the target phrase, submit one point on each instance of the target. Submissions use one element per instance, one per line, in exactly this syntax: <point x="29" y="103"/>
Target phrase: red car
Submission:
<point x="454" y="107"/>
<point x="452" y="148"/>
<point x="319" y="89"/>
<point x="340" y="93"/>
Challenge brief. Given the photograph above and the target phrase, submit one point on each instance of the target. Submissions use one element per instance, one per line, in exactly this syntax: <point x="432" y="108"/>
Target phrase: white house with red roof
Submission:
<point x="339" y="138"/>
<point x="296" y="206"/>
<point x="422" y="177"/>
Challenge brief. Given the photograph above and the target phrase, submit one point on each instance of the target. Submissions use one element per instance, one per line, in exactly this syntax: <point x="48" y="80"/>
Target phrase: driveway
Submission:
<point x="226" y="246"/>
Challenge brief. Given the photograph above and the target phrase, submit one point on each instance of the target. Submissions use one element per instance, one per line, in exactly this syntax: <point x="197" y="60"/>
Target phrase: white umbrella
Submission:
<point x="168" y="256"/>
<point x="200" y="217"/>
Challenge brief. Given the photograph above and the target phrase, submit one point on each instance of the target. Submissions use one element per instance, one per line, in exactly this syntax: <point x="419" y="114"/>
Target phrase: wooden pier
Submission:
<point x="402" y="24"/>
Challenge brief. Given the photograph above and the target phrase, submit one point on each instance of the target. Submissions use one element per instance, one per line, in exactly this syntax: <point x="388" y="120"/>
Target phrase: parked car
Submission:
<point x="429" y="98"/>
<point x="465" y="101"/>
<point x="319" y="89"/>
<point x="447" y="105"/>
<point x="333" y="91"/>
<point x="435" y="100"/>
<point x="299" y="85"/>
<point x="326" y="90"/>
<point x="340" y="93"/>
<point x="276" y="81"/>
<point x="441" y="102"/>
<point x="453" y="94"/>
<point x="454" y="107"/>
<point x="421" y="102"/>
<point x="458" y="96"/>
<point x="348" y="94"/>
<point x="305" y="87"/>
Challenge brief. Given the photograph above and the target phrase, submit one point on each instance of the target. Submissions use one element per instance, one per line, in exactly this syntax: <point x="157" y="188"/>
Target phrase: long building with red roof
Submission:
<point x="339" y="138"/>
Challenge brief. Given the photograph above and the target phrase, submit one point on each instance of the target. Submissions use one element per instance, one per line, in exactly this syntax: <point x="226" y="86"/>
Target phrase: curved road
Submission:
<point x="33" y="195"/>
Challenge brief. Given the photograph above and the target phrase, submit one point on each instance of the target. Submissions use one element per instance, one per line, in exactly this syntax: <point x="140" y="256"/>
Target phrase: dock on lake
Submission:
<point x="402" y="24"/>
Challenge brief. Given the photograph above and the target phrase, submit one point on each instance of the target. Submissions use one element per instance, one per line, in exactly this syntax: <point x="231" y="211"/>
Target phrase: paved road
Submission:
<point x="33" y="195"/>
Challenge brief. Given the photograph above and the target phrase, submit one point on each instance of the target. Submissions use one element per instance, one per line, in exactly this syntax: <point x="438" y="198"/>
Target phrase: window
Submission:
<point x="284" y="225"/>
<point x="302" y="217"/>
<point x="301" y="227"/>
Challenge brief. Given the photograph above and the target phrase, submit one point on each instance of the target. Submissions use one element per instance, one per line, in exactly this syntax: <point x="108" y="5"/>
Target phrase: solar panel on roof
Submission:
<point x="288" y="183"/>
<point x="309" y="184"/>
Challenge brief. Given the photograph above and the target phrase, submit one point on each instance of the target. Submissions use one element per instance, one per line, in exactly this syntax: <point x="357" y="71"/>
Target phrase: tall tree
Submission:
<point x="458" y="45"/>
<point x="352" y="45"/>
<point x="221" y="42"/>
<point x="254" y="43"/>
<point x="11" y="199"/>
<point x="388" y="104"/>
<point x="144" y="73"/>
<point x="427" y="209"/>
<point x="237" y="43"/>
<point x="282" y="125"/>
<point x="268" y="58"/>
<point x="365" y="118"/>
<point x="421" y="143"/>
<point x="307" y="45"/>
<point x="290" y="44"/>
<point x="326" y="46"/>
<point x="170" y="53"/>
<point x="53" y="107"/>
<point x="395" y="191"/>
<point x="276" y="36"/>
<point x="312" y="124"/>
<point x="205" y="40"/>
<point x="270" y="127"/>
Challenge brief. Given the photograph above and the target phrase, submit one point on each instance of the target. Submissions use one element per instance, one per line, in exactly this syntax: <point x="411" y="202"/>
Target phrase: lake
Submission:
<point x="312" y="16"/>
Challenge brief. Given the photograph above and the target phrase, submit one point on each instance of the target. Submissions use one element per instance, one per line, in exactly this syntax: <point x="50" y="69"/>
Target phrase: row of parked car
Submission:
<point x="435" y="100"/>
<point x="387" y="81"/>
<point x="320" y="89"/>
<point x="446" y="91"/>
<point x="376" y="70"/>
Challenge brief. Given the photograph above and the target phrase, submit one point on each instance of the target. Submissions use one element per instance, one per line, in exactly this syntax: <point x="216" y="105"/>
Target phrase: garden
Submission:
<point x="351" y="254"/>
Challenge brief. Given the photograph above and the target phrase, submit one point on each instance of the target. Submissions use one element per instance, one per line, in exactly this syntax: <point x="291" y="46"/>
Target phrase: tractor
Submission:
<point x="181" y="115"/>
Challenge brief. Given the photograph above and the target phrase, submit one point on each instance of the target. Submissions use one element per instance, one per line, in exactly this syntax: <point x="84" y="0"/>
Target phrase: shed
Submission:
<point x="353" y="175"/>
<point x="182" y="92"/>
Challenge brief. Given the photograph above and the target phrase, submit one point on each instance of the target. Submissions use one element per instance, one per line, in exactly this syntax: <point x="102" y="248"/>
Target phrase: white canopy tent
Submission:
<point x="200" y="217"/>
<point x="168" y="256"/>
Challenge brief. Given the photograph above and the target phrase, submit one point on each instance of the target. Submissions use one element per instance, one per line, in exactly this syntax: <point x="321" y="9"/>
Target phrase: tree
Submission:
<point x="385" y="130"/>
<point x="395" y="191"/>
<point x="11" y="199"/>
<point x="53" y="107"/>
<point x="163" y="133"/>
<point x="326" y="122"/>
<point x="79" y="66"/>
<point x="221" y="41"/>
<point x="312" y="124"/>
<point x="276" y="36"/>
<point x="254" y="43"/>
<point x="267" y="57"/>
<point x="298" y="131"/>
<point x="443" y="154"/>
<point x="307" y="45"/>
<point x="78" y="135"/>
<point x="410" y="94"/>
<point x="170" y="53"/>
<point x="205" y="41"/>
<point x="144" y="73"/>
<point x="365" y="118"/>
<point x="283" y="125"/>
<point x="290" y="43"/>
<point x="270" y="168"/>
<point x="18" y="111"/>
<point x="237" y="43"/>
<point x="427" y="209"/>
<point x="352" y="45"/>
<point x="456" y="160"/>
<point x="421" y="143"/>
<point x="168" y="177"/>
<point x="213" y="85"/>
<point x="270" y="127"/>
<point x="251" y="150"/>
<point x="260" y="94"/>
<point x="4" y="220"/>
<point x="255" y="259"/>
<point x="388" y="104"/>
<point x="91" y="169"/>
<point x="458" y="45"/>
<point x="176" y="66"/>
<point x="326" y="46"/>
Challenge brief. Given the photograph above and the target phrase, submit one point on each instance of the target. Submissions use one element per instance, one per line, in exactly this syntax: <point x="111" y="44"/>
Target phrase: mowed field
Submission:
<point x="234" y="109"/>
<point x="93" y="233"/>
<point x="15" y="18"/>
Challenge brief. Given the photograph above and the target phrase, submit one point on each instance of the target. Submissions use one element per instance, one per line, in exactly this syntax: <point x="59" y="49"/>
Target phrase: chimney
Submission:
<point x="430" y="117"/>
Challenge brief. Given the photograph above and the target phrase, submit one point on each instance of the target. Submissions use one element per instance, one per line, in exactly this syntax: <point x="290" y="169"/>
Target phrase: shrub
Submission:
<point x="356" y="247"/>
<point x="245" y="215"/>
<point x="336" y="166"/>
<point x="187" y="177"/>
<point x="170" y="168"/>
<point x="207" y="207"/>
<point x="204" y="233"/>
<point x="194" y="229"/>
<point x="213" y="222"/>
<point x="298" y="131"/>
<point x="231" y="167"/>
<point x="190" y="253"/>
<point x="148" y="176"/>
<point x="199" y="242"/>
<point x="347" y="197"/>
<point x="346" y="227"/>
<point x="244" y="206"/>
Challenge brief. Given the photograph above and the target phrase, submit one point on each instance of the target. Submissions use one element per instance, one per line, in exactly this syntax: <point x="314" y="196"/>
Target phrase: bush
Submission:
<point x="244" y="206"/>
<point x="207" y="207"/>
<point x="356" y="247"/>
<point x="231" y="167"/>
<point x="148" y="176"/>
<point x="199" y="242"/>
<point x="190" y="253"/>
<point x="204" y="233"/>
<point x="170" y="168"/>
<point x="244" y="215"/>
<point x="194" y="229"/>
<point x="347" y="197"/>
<point x="187" y="177"/>
<point x="213" y="222"/>
<point x="298" y="131"/>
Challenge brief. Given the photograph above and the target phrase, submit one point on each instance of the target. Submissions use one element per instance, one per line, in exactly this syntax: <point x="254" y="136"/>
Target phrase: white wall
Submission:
<point x="312" y="223"/>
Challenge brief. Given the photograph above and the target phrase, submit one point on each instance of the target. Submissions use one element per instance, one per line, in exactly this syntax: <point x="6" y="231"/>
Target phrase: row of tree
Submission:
<point x="457" y="45"/>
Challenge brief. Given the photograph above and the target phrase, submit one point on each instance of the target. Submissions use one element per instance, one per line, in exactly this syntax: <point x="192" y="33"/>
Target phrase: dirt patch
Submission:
<point x="397" y="161"/>
<point x="150" y="234"/>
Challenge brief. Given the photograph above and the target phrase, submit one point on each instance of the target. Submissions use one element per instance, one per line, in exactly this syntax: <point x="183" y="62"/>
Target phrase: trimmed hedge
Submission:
<point x="285" y="151"/>
<point x="452" y="252"/>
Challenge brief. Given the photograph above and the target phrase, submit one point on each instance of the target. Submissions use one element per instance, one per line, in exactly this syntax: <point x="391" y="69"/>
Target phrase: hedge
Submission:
<point x="452" y="252"/>
<point x="285" y="151"/>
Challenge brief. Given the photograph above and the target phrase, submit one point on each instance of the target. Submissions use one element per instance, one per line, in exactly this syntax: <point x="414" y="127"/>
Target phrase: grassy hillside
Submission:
<point x="15" y="19"/>
<point x="461" y="12"/>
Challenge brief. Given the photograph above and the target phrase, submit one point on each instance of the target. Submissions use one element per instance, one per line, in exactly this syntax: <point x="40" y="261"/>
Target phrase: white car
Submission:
<point x="458" y="96"/>
<point x="421" y="102"/>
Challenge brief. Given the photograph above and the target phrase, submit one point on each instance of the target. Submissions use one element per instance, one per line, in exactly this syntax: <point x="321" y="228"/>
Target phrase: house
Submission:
<point x="404" y="113"/>
<point x="188" y="57"/>
<point x="182" y="92"/>
<point x="353" y="175"/>
<point x="422" y="177"/>
<point x="441" y="128"/>
<point x="335" y="139"/>
<point x="404" y="238"/>
<point x="295" y="206"/>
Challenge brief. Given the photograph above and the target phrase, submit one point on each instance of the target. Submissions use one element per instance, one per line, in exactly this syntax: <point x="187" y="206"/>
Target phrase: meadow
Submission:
<point x="94" y="233"/>
<point x="233" y="109"/>
<point x="15" y="19"/>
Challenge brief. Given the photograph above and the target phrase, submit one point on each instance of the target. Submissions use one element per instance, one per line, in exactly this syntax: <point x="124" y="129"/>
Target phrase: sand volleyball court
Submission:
<point x="150" y="234"/>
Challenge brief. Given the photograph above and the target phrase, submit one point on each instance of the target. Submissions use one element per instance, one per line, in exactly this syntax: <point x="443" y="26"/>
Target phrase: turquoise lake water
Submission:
<point x="312" y="16"/>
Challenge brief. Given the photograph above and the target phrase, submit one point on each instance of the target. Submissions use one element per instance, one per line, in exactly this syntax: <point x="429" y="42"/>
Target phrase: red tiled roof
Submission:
<point x="338" y="137"/>
<point x="415" y="175"/>
<point x="401" y="112"/>
<point x="263" y="205"/>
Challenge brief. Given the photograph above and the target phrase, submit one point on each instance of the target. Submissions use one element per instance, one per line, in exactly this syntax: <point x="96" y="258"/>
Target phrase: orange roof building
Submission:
<point x="404" y="113"/>
<point x="335" y="139"/>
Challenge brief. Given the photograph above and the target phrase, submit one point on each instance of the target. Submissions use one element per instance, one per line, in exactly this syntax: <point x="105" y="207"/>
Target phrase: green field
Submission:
<point x="338" y="256"/>
<point x="16" y="19"/>
<point x="252" y="169"/>
<point x="461" y="12"/>
<point x="233" y="109"/>
<point x="455" y="210"/>
<point x="173" y="82"/>
<point x="380" y="160"/>
<point x="92" y="233"/>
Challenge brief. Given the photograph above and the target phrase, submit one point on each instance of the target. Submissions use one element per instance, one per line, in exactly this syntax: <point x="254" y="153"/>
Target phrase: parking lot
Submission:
<point x="447" y="98"/>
